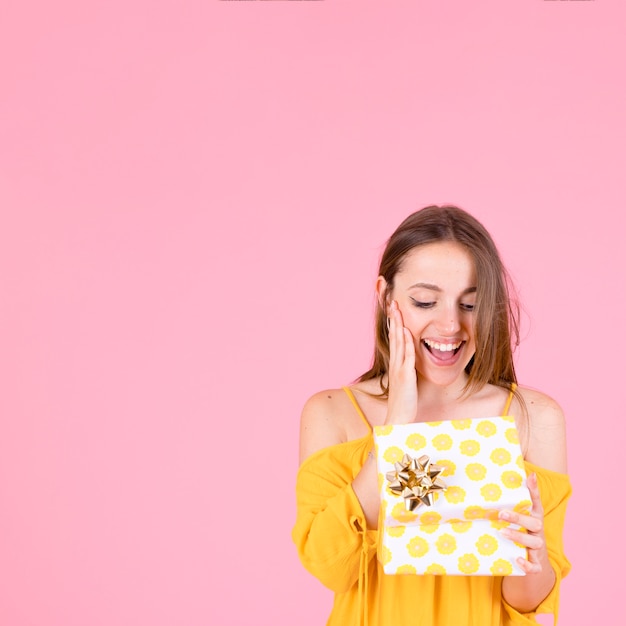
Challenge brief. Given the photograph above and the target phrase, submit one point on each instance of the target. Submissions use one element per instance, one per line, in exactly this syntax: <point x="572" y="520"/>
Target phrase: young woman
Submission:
<point x="445" y="326"/>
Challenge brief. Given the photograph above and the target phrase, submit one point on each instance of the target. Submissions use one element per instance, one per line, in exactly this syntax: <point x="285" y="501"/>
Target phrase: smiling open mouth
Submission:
<point x="442" y="351"/>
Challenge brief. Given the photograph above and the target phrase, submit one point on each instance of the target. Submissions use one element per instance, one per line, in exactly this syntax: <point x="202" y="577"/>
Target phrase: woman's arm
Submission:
<point x="335" y="509"/>
<point x="330" y="532"/>
<point x="401" y="408"/>
<point x="546" y="449"/>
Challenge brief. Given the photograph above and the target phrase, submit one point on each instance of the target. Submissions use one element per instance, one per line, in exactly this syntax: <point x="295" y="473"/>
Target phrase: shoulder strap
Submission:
<point x="357" y="407"/>
<point x="507" y="406"/>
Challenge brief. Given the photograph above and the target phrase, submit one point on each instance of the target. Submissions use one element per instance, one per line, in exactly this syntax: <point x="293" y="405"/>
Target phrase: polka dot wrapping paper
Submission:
<point x="483" y="471"/>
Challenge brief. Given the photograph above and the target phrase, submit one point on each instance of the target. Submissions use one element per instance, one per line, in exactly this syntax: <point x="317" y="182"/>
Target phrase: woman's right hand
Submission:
<point x="402" y="402"/>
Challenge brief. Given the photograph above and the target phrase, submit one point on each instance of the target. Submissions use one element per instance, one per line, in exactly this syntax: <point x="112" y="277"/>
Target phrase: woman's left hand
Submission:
<point x="533" y="539"/>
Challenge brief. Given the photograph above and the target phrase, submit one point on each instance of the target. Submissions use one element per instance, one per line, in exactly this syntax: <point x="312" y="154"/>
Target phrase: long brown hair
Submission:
<point x="497" y="310"/>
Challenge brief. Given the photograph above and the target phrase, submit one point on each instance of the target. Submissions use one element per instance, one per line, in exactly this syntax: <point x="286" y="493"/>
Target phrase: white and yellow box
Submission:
<point x="483" y="470"/>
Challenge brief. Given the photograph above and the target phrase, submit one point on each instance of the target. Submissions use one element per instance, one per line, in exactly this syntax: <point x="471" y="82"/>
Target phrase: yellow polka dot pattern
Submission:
<point x="416" y="441"/>
<point x="460" y="533"/>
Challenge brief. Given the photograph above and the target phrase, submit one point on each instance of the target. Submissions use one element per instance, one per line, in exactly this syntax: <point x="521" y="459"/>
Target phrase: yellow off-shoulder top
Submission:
<point x="335" y="545"/>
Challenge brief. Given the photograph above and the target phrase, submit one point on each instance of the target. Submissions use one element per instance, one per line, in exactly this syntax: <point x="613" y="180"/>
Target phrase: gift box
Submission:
<point x="442" y="486"/>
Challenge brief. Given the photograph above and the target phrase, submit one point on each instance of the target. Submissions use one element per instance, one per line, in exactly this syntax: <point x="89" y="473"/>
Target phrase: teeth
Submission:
<point x="442" y="347"/>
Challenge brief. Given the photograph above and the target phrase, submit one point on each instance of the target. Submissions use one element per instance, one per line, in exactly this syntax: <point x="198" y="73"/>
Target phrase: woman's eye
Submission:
<point x="467" y="307"/>
<point x="422" y="305"/>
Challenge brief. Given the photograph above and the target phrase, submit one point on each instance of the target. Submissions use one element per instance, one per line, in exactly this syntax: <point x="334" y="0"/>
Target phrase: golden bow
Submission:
<point x="416" y="480"/>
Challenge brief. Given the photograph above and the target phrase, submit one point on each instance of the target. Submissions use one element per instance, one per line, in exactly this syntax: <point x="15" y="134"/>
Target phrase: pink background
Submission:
<point x="193" y="198"/>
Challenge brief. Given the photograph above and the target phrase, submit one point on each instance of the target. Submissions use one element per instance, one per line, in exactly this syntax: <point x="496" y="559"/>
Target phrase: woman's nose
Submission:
<point x="448" y="321"/>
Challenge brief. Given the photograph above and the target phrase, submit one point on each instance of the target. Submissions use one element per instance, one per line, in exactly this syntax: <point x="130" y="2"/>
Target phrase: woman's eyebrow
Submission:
<point x="426" y="286"/>
<point x="438" y="289"/>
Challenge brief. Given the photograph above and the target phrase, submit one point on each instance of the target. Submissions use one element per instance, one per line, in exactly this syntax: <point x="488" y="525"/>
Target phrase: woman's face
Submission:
<point x="436" y="291"/>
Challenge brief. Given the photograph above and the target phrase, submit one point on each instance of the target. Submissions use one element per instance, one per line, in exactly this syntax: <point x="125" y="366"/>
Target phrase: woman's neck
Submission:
<point x="439" y="397"/>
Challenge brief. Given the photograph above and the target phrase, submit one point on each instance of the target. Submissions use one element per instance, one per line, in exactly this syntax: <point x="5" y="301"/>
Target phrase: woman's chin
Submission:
<point x="443" y="377"/>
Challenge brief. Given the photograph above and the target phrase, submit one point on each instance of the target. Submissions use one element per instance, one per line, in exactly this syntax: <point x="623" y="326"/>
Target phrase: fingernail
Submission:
<point x="504" y="515"/>
<point x="505" y="531"/>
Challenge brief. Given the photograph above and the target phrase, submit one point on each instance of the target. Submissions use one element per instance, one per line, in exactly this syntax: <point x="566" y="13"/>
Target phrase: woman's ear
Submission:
<point x="382" y="293"/>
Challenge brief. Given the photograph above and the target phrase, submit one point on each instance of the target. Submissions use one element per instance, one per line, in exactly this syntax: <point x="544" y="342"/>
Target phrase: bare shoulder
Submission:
<point x="321" y="423"/>
<point x="544" y="411"/>
<point x="546" y="431"/>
